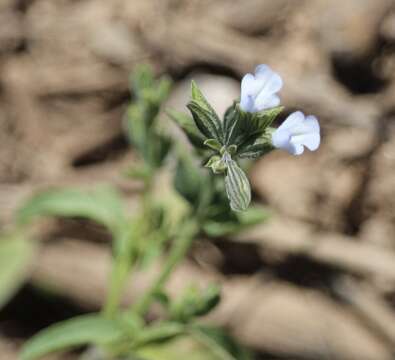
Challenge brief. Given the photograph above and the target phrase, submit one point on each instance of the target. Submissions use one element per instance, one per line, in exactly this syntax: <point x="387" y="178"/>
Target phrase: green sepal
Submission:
<point x="216" y="164"/>
<point x="237" y="186"/>
<point x="213" y="144"/>
<point x="255" y="151"/>
<point x="263" y="119"/>
<point x="247" y="127"/>
<point x="232" y="149"/>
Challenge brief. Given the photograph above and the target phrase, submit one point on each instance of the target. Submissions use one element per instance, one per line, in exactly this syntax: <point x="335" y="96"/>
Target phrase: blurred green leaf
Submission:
<point x="187" y="124"/>
<point x="253" y="215"/>
<point x="201" y="343"/>
<point x="181" y="348"/>
<point x="187" y="179"/>
<point x="141" y="78"/>
<point x="157" y="333"/>
<point x="136" y="126"/>
<point x="142" y="114"/>
<point x="16" y="253"/>
<point x="102" y="205"/>
<point x="219" y="342"/>
<point x="86" y="329"/>
<point x="195" y="302"/>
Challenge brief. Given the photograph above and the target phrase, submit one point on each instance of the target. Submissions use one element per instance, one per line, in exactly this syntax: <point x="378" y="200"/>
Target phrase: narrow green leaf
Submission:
<point x="16" y="253"/>
<point x="86" y="329"/>
<point x="237" y="187"/>
<point x="199" y="99"/>
<point x="102" y="205"/>
<point x="205" y="121"/>
<point x="198" y="96"/>
<point x="229" y="122"/>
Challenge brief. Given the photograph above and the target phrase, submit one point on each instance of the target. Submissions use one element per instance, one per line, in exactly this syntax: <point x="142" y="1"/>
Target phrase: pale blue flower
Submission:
<point x="258" y="92"/>
<point x="296" y="132"/>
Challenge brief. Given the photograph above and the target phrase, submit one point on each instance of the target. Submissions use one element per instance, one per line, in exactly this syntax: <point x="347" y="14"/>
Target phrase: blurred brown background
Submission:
<point x="318" y="280"/>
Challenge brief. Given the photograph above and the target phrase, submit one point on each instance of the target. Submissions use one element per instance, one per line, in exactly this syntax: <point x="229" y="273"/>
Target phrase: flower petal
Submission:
<point x="266" y="103"/>
<point x="270" y="81"/>
<point x="311" y="141"/>
<point x="296" y="149"/>
<point x="247" y="85"/>
<point x="312" y="123"/>
<point x="247" y="103"/>
<point x="281" y="138"/>
<point x="292" y="121"/>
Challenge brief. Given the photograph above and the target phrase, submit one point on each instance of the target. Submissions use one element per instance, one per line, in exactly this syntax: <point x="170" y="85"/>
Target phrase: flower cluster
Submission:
<point x="259" y="92"/>
<point x="245" y="131"/>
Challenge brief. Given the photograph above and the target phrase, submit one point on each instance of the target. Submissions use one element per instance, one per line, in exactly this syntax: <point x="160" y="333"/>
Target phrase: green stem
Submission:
<point x="123" y="263"/>
<point x="180" y="247"/>
<point x="120" y="272"/>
